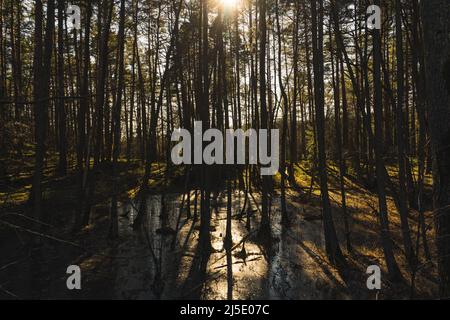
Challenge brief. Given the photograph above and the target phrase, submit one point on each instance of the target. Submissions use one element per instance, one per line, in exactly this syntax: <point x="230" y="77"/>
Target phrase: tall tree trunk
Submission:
<point x="42" y="68"/>
<point x="394" y="271"/>
<point x="284" y="215"/>
<point x="264" y="231"/>
<point x="338" y="135"/>
<point x="16" y="44"/>
<point x="331" y="241"/>
<point x="114" y="223"/>
<point x="82" y="150"/>
<point x="97" y="128"/>
<point x="62" y="164"/>
<point x="436" y="28"/>
<point x="403" y="204"/>
<point x="418" y="78"/>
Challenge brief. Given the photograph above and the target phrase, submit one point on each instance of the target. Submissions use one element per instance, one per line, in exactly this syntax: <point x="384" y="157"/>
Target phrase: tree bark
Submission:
<point x="331" y="241"/>
<point x="394" y="271"/>
<point x="436" y="30"/>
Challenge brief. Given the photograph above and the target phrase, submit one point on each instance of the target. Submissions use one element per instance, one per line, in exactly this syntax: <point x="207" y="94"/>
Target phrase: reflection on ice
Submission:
<point x="164" y="253"/>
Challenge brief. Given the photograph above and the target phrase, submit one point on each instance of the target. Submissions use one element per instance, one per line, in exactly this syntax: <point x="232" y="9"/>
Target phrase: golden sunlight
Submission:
<point x="230" y="3"/>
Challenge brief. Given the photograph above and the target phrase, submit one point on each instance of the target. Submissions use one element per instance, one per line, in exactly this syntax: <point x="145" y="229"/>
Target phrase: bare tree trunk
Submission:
<point x="338" y="135"/>
<point x="264" y="231"/>
<point x="436" y="28"/>
<point x="62" y="164"/>
<point x="418" y="78"/>
<point x="331" y="241"/>
<point x="114" y="223"/>
<point x="97" y="128"/>
<point x="82" y="151"/>
<point x="42" y="64"/>
<point x="394" y="271"/>
<point x="284" y="215"/>
<point x="401" y="138"/>
<point x="16" y="39"/>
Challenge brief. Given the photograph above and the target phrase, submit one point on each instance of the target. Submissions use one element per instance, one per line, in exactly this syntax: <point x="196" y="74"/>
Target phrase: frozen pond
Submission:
<point x="163" y="255"/>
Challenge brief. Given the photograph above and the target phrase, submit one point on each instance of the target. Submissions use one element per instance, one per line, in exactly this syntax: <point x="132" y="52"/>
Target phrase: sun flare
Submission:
<point x="230" y="3"/>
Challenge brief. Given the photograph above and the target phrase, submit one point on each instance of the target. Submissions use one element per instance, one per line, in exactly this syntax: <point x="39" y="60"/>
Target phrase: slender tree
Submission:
<point x="436" y="28"/>
<point x="394" y="271"/>
<point x="331" y="242"/>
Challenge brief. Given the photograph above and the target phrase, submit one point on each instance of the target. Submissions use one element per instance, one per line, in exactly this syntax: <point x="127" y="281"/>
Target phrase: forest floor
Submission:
<point x="149" y="264"/>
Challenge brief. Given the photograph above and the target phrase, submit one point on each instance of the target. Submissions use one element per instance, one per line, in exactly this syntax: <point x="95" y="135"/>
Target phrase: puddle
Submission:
<point x="160" y="267"/>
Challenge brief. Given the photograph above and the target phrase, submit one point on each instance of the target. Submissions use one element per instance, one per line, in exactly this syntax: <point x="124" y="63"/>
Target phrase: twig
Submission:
<point x="16" y="227"/>
<point x="26" y="217"/>
<point x="13" y="263"/>
<point x="9" y="292"/>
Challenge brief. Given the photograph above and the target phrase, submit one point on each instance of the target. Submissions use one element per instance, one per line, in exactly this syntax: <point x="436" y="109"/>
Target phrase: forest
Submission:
<point x="350" y="98"/>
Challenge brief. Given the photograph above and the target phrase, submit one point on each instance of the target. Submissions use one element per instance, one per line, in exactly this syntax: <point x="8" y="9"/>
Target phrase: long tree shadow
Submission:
<point x="197" y="276"/>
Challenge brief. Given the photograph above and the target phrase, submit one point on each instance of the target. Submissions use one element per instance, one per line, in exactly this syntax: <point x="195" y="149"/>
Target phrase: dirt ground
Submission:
<point x="157" y="262"/>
